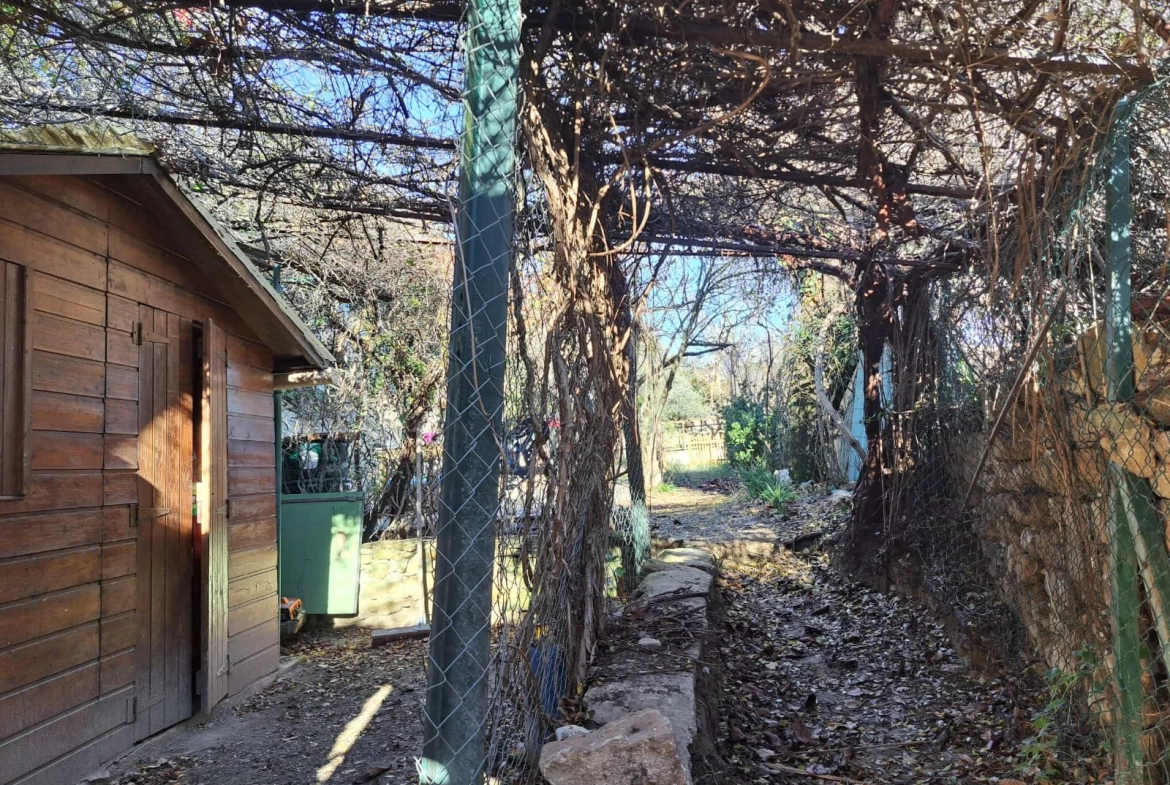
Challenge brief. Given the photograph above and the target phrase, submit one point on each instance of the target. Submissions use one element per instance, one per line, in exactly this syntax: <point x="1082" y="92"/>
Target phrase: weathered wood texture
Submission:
<point x="101" y="557"/>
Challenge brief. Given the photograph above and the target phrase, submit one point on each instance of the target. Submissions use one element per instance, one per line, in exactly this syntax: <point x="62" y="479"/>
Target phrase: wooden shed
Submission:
<point x="139" y="350"/>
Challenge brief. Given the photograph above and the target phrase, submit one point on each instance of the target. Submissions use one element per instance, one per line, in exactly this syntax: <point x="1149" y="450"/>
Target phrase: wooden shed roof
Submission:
<point x="106" y="153"/>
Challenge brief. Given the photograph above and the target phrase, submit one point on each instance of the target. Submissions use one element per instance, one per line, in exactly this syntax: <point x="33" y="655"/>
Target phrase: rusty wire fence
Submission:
<point x="1030" y="413"/>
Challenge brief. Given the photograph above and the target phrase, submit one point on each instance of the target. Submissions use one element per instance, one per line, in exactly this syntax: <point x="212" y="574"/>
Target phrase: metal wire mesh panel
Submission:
<point x="530" y="455"/>
<point x="1034" y="419"/>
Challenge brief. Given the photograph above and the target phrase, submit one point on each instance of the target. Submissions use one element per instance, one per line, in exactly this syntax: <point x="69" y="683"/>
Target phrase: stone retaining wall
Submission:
<point x="679" y="691"/>
<point x="390" y="589"/>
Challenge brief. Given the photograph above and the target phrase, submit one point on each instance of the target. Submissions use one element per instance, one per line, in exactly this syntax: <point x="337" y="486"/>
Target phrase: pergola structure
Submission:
<point x="885" y="143"/>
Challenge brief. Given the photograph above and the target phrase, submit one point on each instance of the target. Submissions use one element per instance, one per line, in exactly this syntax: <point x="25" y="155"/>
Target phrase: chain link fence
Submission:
<point x="528" y="538"/>
<point x="1029" y="419"/>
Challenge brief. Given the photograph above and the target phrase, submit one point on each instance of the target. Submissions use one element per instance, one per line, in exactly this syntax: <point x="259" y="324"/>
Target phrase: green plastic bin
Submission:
<point x="321" y="550"/>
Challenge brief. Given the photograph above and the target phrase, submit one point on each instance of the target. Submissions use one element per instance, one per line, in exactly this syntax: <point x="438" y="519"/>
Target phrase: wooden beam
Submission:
<point x="57" y="163"/>
<point x="983" y="58"/>
<point x="297" y="379"/>
<point x="245" y="125"/>
<point x="803" y="178"/>
<point x="685" y="244"/>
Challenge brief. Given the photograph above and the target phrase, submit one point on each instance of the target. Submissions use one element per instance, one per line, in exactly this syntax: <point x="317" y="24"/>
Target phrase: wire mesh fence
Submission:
<point x="527" y="533"/>
<point x="1028" y="425"/>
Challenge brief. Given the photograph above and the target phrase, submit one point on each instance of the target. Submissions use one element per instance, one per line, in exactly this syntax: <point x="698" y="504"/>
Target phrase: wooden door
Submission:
<point x="166" y="569"/>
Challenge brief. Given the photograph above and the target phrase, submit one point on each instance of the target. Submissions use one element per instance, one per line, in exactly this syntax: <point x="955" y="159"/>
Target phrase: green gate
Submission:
<point x="320" y="550"/>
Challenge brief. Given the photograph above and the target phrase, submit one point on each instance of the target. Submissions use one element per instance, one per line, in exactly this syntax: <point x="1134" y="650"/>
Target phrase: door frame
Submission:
<point x="212" y="521"/>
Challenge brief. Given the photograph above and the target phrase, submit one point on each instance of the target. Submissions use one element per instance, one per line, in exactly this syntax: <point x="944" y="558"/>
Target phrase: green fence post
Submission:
<point x="1130" y="500"/>
<point x="457" y="701"/>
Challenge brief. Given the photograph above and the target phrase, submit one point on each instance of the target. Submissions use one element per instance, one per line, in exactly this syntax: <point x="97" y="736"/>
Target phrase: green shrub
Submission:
<point x="751" y="434"/>
<point x="778" y="497"/>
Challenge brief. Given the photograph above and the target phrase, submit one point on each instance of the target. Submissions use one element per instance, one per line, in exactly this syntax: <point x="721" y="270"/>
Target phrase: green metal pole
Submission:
<point x="457" y="700"/>
<point x="1126" y="487"/>
<point x="278" y="446"/>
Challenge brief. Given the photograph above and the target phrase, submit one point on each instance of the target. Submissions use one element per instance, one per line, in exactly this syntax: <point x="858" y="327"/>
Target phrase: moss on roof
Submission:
<point x="94" y="138"/>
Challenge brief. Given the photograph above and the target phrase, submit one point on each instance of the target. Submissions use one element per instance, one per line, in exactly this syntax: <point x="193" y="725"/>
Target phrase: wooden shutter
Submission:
<point x="214" y="471"/>
<point x="15" y="380"/>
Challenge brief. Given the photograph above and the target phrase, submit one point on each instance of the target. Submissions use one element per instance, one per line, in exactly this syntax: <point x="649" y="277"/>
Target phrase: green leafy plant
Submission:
<point x="778" y="497"/>
<point x="750" y="433"/>
<point x="1040" y="752"/>
<point x="759" y="483"/>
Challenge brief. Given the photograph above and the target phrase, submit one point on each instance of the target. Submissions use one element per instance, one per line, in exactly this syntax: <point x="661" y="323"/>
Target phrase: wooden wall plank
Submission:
<point x="244" y="673"/>
<point x="65" y="298"/>
<point x="119" y="632"/>
<point x="28" y="576"/>
<point x="251" y="479"/>
<point x="121" y="383"/>
<point x="140" y="287"/>
<point x="43" y="615"/>
<point x="118" y="559"/>
<point x="31" y="662"/>
<point x="121" y="416"/>
<point x="118" y="595"/>
<point x="141" y="222"/>
<point x="117" y="670"/>
<point x="56" y="334"/>
<point x="116" y="524"/>
<point x="59" y="373"/>
<point x="120" y="452"/>
<point x="121" y="349"/>
<point x="248" y="351"/>
<point x="120" y="488"/>
<point x="79" y="193"/>
<point x="27" y="751"/>
<point x="254" y="587"/>
<point x="251" y="453"/>
<point x="140" y="254"/>
<point x="255" y="507"/>
<point x="53" y="219"/>
<point x="259" y="429"/>
<point x="58" y="491"/>
<point x="253" y="641"/>
<point x="248" y="562"/>
<point x="63" y="412"/>
<point x="243" y="376"/>
<point x="254" y="534"/>
<point x="121" y="313"/>
<point x="257" y="404"/>
<point x="84" y="759"/>
<point x="245" y="617"/>
<point x="49" y="531"/>
<point x="66" y="450"/>
<point x="46" y="255"/>
<point x="31" y="705"/>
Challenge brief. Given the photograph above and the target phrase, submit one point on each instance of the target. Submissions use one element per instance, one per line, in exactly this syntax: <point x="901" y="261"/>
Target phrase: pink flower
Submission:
<point x="428" y="437"/>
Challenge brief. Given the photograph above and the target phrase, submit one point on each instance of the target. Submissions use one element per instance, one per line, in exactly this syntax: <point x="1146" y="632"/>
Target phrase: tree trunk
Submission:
<point x="866" y="554"/>
<point x="636" y="543"/>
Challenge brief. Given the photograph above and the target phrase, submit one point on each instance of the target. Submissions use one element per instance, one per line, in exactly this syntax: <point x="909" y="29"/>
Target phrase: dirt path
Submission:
<point x="345" y="713"/>
<point x="825" y="681"/>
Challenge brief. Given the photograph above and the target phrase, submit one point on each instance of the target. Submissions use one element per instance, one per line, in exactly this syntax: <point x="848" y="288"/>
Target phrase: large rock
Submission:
<point x="636" y="749"/>
<point x="688" y="557"/>
<point x="672" y="694"/>
<point x="691" y="585"/>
